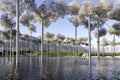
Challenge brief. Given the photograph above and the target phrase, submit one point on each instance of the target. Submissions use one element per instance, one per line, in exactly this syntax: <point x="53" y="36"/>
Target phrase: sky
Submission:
<point x="64" y="27"/>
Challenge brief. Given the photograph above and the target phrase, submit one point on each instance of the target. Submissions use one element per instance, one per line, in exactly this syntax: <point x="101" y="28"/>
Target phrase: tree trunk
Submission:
<point x="111" y="49"/>
<point x="6" y="48"/>
<point x="67" y="49"/>
<point x="114" y="45"/>
<point x="58" y="48"/>
<point x="31" y="44"/>
<point x="2" y="50"/>
<point x="21" y="46"/>
<point x="75" y="40"/>
<point x="89" y="19"/>
<point x="39" y="47"/>
<point x="10" y="44"/>
<point x="42" y="41"/>
<point x="98" y="41"/>
<point x="17" y="33"/>
<point x="36" y="47"/>
<point x="103" y="50"/>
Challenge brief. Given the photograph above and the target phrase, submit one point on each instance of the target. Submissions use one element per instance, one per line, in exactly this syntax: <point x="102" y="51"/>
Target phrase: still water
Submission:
<point x="60" y="68"/>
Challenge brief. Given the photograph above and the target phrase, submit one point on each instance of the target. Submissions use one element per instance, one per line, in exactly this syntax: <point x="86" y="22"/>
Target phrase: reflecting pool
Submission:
<point x="60" y="68"/>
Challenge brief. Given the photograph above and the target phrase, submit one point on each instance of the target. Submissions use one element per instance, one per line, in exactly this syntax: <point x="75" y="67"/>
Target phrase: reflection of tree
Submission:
<point x="16" y="75"/>
<point x="59" y="69"/>
<point x="115" y="69"/>
<point x="75" y="18"/>
<point x="102" y="69"/>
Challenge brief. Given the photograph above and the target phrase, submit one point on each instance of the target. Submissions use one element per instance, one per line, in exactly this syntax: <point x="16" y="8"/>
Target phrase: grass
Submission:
<point x="59" y="54"/>
<point x="52" y="54"/>
<point x="105" y="54"/>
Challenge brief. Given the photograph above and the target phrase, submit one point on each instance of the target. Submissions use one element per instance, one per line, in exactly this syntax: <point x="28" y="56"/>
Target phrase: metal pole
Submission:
<point x="17" y="33"/>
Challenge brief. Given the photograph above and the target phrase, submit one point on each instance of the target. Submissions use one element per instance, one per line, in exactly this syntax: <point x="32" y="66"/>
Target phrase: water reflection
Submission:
<point x="60" y="68"/>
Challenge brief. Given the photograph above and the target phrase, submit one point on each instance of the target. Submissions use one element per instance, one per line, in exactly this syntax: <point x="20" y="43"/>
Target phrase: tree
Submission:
<point x="82" y="41"/>
<point x="67" y="42"/>
<point x="9" y="23"/>
<point x="31" y="29"/>
<point x="49" y="38"/>
<point x="2" y="47"/>
<point x="22" y="43"/>
<point x="46" y="13"/>
<point x="17" y="29"/>
<point x="114" y="30"/>
<point x="39" y="42"/>
<point x="99" y="33"/>
<point x="114" y="13"/>
<point x="58" y="39"/>
<point x="5" y="37"/>
<point x="86" y="11"/>
<point x="72" y="40"/>
<point x="104" y="42"/>
<point x="25" y="37"/>
<point x="74" y="17"/>
<point x="111" y="43"/>
<point x="14" y="8"/>
<point x="26" y="18"/>
<point x="100" y="12"/>
<point x="35" y="41"/>
<point x="13" y="37"/>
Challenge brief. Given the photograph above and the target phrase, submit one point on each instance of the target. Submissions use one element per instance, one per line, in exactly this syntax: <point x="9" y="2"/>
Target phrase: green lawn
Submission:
<point x="52" y="54"/>
<point x="60" y="54"/>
